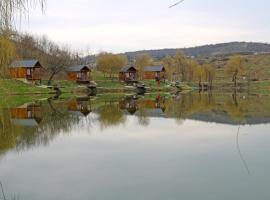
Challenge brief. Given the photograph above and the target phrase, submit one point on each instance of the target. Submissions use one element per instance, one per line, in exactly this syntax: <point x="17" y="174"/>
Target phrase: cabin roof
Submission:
<point x="77" y="68"/>
<point x="127" y="68"/>
<point x="24" y="63"/>
<point x="154" y="68"/>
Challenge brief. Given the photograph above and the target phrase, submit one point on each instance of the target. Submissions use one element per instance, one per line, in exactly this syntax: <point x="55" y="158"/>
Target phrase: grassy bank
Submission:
<point x="14" y="87"/>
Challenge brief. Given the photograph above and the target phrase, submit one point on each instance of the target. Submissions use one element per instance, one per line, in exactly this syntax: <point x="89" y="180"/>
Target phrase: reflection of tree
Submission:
<point x="236" y="108"/>
<point x="188" y="104"/>
<point x="55" y="119"/>
<point x="8" y="133"/>
<point x="142" y="115"/>
<point x="110" y="115"/>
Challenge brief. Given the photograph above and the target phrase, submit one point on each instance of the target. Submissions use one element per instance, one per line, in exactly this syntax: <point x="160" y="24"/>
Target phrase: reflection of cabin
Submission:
<point x="29" y="70"/>
<point x="79" y="73"/>
<point x="154" y="73"/>
<point x="79" y="106"/>
<point x="154" y="108"/>
<point x="129" y="104"/>
<point x="29" y="115"/>
<point x="128" y="74"/>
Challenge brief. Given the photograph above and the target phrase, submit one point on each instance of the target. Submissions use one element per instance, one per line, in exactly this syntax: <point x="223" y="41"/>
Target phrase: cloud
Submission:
<point x="122" y="26"/>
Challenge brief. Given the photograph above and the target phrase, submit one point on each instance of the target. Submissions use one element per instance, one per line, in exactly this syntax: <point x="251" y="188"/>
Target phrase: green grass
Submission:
<point x="10" y="87"/>
<point x="18" y="100"/>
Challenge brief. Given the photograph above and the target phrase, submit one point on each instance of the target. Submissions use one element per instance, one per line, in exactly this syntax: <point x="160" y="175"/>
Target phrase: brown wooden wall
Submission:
<point x="149" y="75"/>
<point x="72" y="105"/>
<point x="18" y="72"/>
<point x="22" y="113"/>
<point x="152" y="75"/>
<point x="19" y="113"/>
<point x="72" y="76"/>
<point x="22" y="73"/>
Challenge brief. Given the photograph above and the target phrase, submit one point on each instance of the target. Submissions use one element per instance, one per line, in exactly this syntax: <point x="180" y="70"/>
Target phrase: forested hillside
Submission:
<point x="208" y="50"/>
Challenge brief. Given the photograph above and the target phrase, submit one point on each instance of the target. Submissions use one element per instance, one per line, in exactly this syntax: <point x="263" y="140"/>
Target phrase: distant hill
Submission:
<point x="209" y="50"/>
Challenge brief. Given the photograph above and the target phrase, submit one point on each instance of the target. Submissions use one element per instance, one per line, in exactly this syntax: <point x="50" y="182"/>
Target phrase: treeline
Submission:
<point x="208" y="50"/>
<point x="54" y="58"/>
<point x="178" y="67"/>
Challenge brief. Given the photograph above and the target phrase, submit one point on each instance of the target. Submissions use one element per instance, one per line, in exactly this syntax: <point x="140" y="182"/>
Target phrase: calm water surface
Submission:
<point x="187" y="146"/>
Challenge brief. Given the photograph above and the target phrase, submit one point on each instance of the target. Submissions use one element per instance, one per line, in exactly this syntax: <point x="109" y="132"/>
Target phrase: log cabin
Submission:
<point x="28" y="115"/>
<point x="154" y="73"/>
<point x="79" y="74"/>
<point x="128" y="74"/>
<point x="27" y="70"/>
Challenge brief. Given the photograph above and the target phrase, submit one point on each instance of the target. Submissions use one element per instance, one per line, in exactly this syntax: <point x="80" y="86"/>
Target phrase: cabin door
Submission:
<point x="84" y="76"/>
<point x="132" y="76"/>
<point x="28" y="72"/>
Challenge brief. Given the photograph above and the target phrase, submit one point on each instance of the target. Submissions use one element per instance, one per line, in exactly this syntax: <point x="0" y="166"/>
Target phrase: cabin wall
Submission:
<point x="37" y="73"/>
<point x="72" y="106"/>
<point x="152" y="75"/>
<point x="20" y="113"/>
<point x="18" y="72"/>
<point x="21" y="73"/>
<point x="26" y="112"/>
<point x="123" y="75"/>
<point x="72" y="76"/>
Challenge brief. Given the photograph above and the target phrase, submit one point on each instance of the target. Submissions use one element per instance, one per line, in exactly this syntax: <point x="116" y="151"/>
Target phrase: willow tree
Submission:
<point x="169" y="64"/>
<point x="111" y="64"/>
<point x="235" y="67"/>
<point x="142" y="60"/>
<point x="181" y="66"/>
<point x="10" y="12"/>
<point x="7" y="53"/>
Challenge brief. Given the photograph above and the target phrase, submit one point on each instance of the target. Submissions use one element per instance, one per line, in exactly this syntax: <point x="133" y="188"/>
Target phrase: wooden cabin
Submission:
<point x="29" y="115"/>
<point x="79" y="74"/>
<point x="128" y="74"/>
<point x="28" y="70"/>
<point x="154" y="73"/>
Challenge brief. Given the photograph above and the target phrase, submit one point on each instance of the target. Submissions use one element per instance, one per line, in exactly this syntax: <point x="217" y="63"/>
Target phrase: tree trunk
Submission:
<point x="51" y="78"/>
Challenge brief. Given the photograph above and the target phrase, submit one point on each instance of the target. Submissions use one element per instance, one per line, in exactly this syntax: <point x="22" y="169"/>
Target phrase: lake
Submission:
<point x="190" y="146"/>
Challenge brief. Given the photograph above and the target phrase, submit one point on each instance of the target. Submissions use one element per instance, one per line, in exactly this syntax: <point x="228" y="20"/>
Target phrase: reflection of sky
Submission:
<point x="165" y="160"/>
<point x="119" y="25"/>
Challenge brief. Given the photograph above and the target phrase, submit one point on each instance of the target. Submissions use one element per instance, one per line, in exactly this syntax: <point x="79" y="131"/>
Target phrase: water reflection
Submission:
<point x="172" y="145"/>
<point x="26" y="115"/>
<point x="79" y="106"/>
<point x="40" y="122"/>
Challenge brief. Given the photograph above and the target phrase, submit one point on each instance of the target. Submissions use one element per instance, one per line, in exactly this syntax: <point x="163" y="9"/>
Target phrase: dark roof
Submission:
<point x="153" y="68"/>
<point x="77" y="68"/>
<point x="24" y="63"/>
<point x="125" y="69"/>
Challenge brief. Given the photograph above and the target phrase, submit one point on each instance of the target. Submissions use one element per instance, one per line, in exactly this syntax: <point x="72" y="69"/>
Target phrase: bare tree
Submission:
<point x="10" y="10"/>
<point x="177" y="3"/>
<point x="57" y="61"/>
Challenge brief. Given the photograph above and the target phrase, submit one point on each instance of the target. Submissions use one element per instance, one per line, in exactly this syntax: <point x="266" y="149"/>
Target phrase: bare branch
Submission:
<point x="176" y="4"/>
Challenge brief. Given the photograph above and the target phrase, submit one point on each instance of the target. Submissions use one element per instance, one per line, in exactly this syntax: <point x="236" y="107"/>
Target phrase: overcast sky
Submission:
<point x="127" y="25"/>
